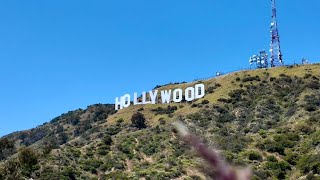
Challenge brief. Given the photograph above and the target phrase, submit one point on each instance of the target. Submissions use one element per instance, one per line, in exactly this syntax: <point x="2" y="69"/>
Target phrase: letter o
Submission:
<point x="177" y="95"/>
<point x="199" y="91"/>
<point x="126" y="100"/>
<point x="189" y="94"/>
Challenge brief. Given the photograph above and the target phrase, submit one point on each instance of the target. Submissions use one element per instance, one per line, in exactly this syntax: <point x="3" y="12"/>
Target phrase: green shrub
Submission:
<point x="162" y="121"/>
<point x="312" y="102"/>
<point x="315" y="138"/>
<point x="307" y="75"/>
<point x="292" y="157"/>
<point x="138" y="120"/>
<point x="263" y="133"/>
<point x="11" y="170"/>
<point x="75" y="152"/>
<point x="107" y="140"/>
<point x="272" y="79"/>
<point x="271" y="146"/>
<point x="261" y="174"/>
<point x="313" y="85"/>
<point x="103" y="150"/>
<point x="92" y="165"/>
<point x="314" y="118"/>
<point x="210" y="89"/>
<point x="278" y="169"/>
<point x="6" y="148"/>
<point x="250" y="79"/>
<point x="69" y="173"/>
<point x="205" y="102"/>
<point x="311" y="176"/>
<point x="113" y="130"/>
<point x="224" y="100"/>
<point x="237" y="94"/>
<point x="117" y="175"/>
<point x="28" y="160"/>
<point x="304" y="128"/>
<point x="272" y="159"/>
<point x="168" y="110"/>
<point x="309" y="163"/>
<point x="254" y="156"/>
<point x="194" y="105"/>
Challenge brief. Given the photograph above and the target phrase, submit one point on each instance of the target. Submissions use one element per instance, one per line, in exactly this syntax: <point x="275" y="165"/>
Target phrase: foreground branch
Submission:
<point x="223" y="171"/>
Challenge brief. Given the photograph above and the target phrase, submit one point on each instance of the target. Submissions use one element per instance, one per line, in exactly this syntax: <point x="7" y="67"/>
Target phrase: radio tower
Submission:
<point x="276" y="56"/>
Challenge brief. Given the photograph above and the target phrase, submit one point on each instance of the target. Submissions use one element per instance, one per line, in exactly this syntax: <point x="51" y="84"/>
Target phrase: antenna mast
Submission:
<point x="276" y="56"/>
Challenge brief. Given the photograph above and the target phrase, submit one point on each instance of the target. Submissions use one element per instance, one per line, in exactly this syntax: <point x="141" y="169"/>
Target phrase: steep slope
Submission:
<point x="268" y="119"/>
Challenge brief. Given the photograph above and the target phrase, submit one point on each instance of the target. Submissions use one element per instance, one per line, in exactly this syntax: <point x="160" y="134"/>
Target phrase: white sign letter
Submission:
<point x="199" y="91"/>
<point x="125" y="100"/>
<point x="153" y="96"/>
<point x="144" y="98"/>
<point x="118" y="103"/>
<point x="189" y="93"/>
<point x="165" y="96"/>
<point x="177" y="95"/>
<point x="135" y="100"/>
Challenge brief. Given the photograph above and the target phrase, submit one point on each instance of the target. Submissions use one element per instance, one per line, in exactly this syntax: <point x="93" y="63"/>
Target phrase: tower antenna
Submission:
<point x="276" y="55"/>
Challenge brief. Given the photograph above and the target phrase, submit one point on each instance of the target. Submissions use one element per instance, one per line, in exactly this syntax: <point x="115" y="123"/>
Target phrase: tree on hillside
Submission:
<point x="28" y="160"/>
<point x="10" y="170"/>
<point x="107" y="140"/>
<point x="6" y="148"/>
<point x="138" y="120"/>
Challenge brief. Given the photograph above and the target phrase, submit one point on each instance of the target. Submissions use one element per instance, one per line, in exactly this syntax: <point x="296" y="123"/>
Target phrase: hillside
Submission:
<point x="268" y="119"/>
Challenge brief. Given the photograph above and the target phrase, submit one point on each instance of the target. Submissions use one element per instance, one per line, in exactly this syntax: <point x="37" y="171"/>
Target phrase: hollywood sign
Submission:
<point x="167" y="96"/>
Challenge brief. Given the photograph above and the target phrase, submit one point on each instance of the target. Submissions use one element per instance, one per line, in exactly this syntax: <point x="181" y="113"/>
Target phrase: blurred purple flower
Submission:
<point x="223" y="171"/>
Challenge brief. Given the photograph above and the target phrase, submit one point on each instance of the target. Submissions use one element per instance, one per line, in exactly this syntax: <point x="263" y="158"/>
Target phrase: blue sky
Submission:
<point x="59" y="55"/>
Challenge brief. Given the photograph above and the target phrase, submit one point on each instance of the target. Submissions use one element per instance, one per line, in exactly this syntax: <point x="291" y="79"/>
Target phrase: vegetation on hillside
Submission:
<point x="266" y="119"/>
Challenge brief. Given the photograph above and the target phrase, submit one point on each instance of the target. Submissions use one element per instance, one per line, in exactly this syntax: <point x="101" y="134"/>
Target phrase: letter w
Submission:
<point x="165" y="96"/>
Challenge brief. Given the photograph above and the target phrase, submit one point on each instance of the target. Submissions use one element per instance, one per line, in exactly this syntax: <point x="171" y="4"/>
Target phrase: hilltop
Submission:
<point x="268" y="119"/>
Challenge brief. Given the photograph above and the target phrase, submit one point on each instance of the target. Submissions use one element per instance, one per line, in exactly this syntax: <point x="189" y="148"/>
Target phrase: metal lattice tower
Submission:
<point x="260" y="60"/>
<point x="276" y="56"/>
